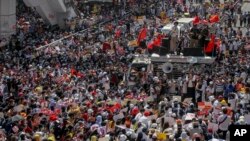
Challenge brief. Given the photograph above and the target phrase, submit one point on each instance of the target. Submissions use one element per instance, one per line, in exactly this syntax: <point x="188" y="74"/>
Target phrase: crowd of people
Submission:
<point x="75" y="89"/>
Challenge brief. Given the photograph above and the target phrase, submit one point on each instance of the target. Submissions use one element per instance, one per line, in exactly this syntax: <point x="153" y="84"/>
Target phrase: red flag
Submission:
<point x="214" y="19"/>
<point x="142" y="35"/>
<point x="151" y="45"/>
<point x="196" y="20"/>
<point x="210" y="45"/>
<point x="155" y="42"/>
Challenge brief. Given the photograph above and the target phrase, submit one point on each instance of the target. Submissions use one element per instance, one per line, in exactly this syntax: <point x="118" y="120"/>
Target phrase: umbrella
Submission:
<point x="16" y="118"/>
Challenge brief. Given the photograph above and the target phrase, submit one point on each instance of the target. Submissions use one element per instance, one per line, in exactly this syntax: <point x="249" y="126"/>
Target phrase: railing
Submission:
<point x="81" y="32"/>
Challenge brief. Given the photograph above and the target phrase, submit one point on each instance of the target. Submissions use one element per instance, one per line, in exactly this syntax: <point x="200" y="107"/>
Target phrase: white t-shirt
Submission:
<point x="225" y="122"/>
<point x="190" y="84"/>
<point x="144" y="120"/>
<point x="138" y="116"/>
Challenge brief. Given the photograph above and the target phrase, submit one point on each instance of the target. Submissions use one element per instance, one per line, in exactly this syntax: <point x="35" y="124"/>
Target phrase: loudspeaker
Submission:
<point x="165" y="46"/>
<point x="163" y="51"/>
<point x="155" y="49"/>
<point x="165" y="42"/>
<point x="193" y="52"/>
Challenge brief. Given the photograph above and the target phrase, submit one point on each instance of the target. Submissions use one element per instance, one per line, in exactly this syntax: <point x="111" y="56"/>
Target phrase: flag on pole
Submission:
<point x="142" y="35"/>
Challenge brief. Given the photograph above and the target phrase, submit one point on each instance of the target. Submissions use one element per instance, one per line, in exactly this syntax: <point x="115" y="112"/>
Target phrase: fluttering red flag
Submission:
<point x="151" y="45"/>
<point x="142" y="35"/>
<point x="214" y="19"/>
<point x="210" y="46"/>
<point x="196" y="20"/>
<point x="156" y="42"/>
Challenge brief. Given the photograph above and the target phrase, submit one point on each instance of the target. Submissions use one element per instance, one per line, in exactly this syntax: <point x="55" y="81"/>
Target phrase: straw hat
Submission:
<point x="223" y="102"/>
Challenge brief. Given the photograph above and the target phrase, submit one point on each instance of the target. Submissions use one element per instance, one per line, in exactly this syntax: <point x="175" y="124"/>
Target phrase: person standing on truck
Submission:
<point x="174" y="37"/>
<point x="194" y="34"/>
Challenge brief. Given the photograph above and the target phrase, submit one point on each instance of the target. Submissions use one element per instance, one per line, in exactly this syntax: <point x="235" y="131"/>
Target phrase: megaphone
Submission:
<point x="167" y="68"/>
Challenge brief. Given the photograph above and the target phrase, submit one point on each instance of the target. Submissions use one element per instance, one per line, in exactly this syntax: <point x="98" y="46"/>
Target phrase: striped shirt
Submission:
<point x="219" y="87"/>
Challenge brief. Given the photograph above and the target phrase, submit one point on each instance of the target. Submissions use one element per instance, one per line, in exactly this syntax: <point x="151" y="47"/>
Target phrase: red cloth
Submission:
<point x="73" y="72"/>
<point x="151" y="45"/>
<point x="196" y="20"/>
<point x="118" y="106"/>
<point x="80" y="75"/>
<point x="134" y="111"/>
<point x="210" y="45"/>
<point x="85" y="116"/>
<point x="28" y="130"/>
<point x="88" y="103"/>
<point x="118" y="33"/>
<point x="115" y="107"/>
<point x="142" y="35"/>
<point x="156" y="42"/>
<point x="214" y="19"/>
<point x="53" y="117"/>
<point x="106" y="46"/>
<point x="146" y="113"/>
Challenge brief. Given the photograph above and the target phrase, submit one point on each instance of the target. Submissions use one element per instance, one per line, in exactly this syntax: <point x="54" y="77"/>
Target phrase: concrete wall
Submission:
<point x="7" y="17"/>
<point x="52" y="11"/>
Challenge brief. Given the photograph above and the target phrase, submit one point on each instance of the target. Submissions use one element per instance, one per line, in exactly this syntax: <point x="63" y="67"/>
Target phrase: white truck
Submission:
<point x="174" y="66"/>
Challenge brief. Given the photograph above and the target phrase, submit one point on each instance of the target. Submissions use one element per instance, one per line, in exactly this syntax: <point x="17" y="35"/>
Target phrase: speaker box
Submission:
<point x="165" y="42"/>
<point x="155" y="49"/>
<point x="143" y="44"/>
<point x="162" y="51"/>
<point x="193" y="52"/>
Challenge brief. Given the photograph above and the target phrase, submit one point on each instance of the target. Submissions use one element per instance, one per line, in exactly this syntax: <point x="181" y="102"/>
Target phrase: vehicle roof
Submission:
<point x="169" y="27"/>
<point x="185" y="20"/>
